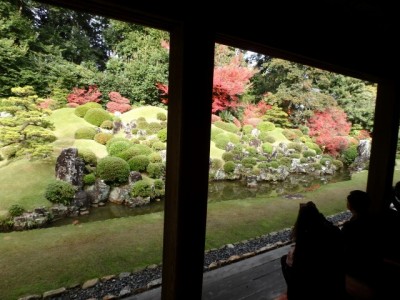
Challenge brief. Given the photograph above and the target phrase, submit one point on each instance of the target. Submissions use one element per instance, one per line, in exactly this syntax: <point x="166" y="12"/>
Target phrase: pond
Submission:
<point x="217" y="191"/>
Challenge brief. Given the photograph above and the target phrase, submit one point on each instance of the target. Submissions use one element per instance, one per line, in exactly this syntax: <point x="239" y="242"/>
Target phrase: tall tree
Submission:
<point x="139" y="60"/>
<point x="25" y="129"/>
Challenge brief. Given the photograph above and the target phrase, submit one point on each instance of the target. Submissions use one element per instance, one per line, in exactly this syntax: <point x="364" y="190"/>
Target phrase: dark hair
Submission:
<point x="358" y="201"/>
<point x="308" y="219"/>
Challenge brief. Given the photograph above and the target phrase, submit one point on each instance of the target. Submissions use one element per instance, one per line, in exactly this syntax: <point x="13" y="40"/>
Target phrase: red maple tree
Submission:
<point x="330" y="129"/>
<point x="82" y="96"/>
<point x="118" y="103"/>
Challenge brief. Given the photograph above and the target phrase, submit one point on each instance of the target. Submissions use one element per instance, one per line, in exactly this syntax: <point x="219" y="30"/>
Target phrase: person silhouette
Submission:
<point x="313" y="269"/>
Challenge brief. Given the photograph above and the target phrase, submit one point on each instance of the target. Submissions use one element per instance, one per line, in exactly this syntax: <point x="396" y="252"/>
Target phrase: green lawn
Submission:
<point x="148" y="112"/>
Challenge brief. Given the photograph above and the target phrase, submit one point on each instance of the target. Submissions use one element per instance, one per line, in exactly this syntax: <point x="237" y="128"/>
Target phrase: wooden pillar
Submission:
<point x="384" y="144"/>
<point x="188" y="147"/>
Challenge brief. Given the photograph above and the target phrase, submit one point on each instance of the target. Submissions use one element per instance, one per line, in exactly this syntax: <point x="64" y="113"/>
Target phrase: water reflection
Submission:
<point x="218" y="191"/>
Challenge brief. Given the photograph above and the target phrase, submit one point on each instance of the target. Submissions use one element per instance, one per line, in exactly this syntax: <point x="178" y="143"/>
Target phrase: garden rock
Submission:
<point x="120" y="194"/>
<point x="70" y="167"/>
<point x="98" y="192"/>
<point x="138" y="201"/>
<point x="35" y="219"/>
<point x="362" y="160"/>
<point x="81" y="199"/>
<point x="59" y="211"/>
<point x="134" y="176"/>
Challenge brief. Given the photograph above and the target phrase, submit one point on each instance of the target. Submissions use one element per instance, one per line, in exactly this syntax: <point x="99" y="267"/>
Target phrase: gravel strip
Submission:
<point x="125" y="284"/>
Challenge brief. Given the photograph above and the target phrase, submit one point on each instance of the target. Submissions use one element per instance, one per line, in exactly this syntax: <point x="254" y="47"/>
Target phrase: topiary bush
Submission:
<point x="81" y="110"/>
<point x="265" y="126"/>
<point x="89" y="179"/>
<point x="338" y="164"/>
<point x="88" y="156"/>
<point x="227" y="126"/>
<point x="267" y="148"/>
<point x="265" y="137"/>
<point x="309" y="153"/>
<point x="229" y="167"/>
<point x="161" y="116"/>
<point x="103" y="137"/>
<point x="141" y="188"/>
<point x="349" y="155"/>
<point x="60" y="191"/>
<point x="324" y="160"/>
<point x="158" y="146"/>
<point x="113" y="169"/>
<point x="107" y="124"/>
<point x="159" y="188"/>
<point x="113" y="140"/>
<point x="249" y="162"/>
<point x="96" y="116"/>
<point x="155" y="157"/>
<point x="154" y="127"/>
<point x="246" y="129"/>
<point x="134" y="150"/>
<point x="228" y="156"/>
<point x="118" y="147"/>
<point x="155" y="170"/>
<point x="216" y="163"/>
<point x="85" y="133"/>
<point x="296" y="146"/>
<point x="138" y="163"/>
<point x="162" y="135"/>
<point x="222" y="139"/>
<point x="16" y="210"/>
<point x="314" y="146"/>
<point x="214" y="132"/>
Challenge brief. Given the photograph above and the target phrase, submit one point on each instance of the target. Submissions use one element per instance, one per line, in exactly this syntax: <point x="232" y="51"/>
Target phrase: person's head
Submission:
<point x="308" y="219"/>
<point x="358" y="202"/>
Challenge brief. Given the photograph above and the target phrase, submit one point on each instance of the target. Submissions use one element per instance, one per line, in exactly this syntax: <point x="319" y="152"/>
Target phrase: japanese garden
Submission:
<point x="83" y="142"/>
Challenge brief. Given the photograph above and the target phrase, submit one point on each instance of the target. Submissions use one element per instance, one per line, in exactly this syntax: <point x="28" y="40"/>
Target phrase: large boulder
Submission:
<point x="70" y="167"/>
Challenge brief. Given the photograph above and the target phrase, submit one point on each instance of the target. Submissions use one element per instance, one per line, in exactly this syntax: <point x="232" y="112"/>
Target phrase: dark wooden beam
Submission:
<point x="384" y="144"/>
<point x="188" y="152"/>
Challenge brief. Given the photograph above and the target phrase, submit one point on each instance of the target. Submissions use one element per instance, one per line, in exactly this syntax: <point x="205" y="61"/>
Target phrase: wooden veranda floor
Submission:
<point x="255" y="278"/>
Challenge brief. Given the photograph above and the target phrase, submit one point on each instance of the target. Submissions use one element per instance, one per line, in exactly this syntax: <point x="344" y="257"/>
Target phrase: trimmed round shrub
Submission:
<point x="249" y="162"/>
<point x="162" y="135"/>
<point x="155" y="170"/>
<point x="289" y="134"/>
<point x="309" y="153"/>
<point x="97" y="116"/>
<point x="103" y="137"/>
<point x="267" y="148"/>
<point x="313" y="146"/>
<point x="161" y="116"/>
<point x="158" y="146"/>
<point x="85" y="133"/>
<point x="316" y="166"/>
<point x="265" y="126"/>
<point x="16" y="210"/>
<point x="349" y="155"/>
<point x="114" y="140"/>
<point x="159" y="184"/>
<point x="141" y="119"/>
<point x="89" y="179"/>
<point x="154" y="127"/>
<point x="227" y="126"/>
<point x="134" y="150"/>
<point x="229" y="167"/>
<point x="296" y="146"/>
<point x="88" y="156"/>
<point x="138" y="163"/>
<point x="118" y="147"/>
<point x="263" y="165"/>
<point x="60" y="191"/>
<point x="228" y="156"/>
<point x="251" y="151"/>
<point x="81" y="110"/>
<point x="337" y="163"/>
<point x="216" y="163"/>
<point x="214" y="132"/>
<point x="113" y="169"/>
<point x="155" y="157"/>
<point x="295" y="155"/>
<point x="285" y="161"/>
<point x="303" y="160"/>
<point x="274" y="164"/>
<point x="107" y="124"/>
<point x="246" y="129"/>
<point x="265" y="137"/>
<point x="324" y="160"/>
<point x="134" y="130"/>
<point x="142" y="124"/>
<point x="141" y="188"/>
<point x="222" y="139"/>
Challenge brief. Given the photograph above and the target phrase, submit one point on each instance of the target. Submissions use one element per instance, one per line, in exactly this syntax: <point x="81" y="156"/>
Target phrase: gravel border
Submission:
<point x="127" y="284"/>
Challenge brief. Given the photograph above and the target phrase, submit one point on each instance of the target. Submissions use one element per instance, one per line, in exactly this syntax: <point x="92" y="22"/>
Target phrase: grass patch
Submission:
<point x="98" y="149"/>
<point x="148" y="112"/>
<point x="24" y="182"/>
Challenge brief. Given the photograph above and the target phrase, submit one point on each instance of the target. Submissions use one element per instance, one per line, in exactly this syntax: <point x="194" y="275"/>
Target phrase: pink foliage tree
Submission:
<point x="82" y="96"/>
<point x="118" y="103"/>
<point x="330" y="129"/>
<point x="230" y="81"/>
